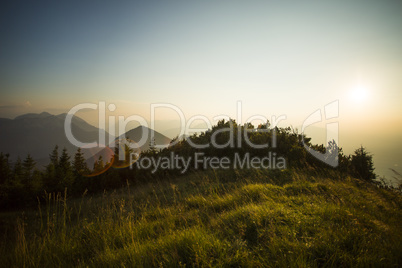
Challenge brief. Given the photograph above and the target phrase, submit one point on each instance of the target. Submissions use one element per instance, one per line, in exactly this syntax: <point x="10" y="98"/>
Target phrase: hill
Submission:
<point x="137" y="133"/>
<point x="46" y="131"/>
<point x="141" y="135"/>
<point x="38" y="134"/>
<point x="234" y="218"/>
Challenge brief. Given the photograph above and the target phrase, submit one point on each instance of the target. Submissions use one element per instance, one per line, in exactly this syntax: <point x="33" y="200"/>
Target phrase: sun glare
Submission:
<point x="359" y="94"/>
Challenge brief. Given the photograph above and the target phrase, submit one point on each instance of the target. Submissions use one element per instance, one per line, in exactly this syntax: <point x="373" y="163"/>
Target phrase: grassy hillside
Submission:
<point x="214" y="218"/>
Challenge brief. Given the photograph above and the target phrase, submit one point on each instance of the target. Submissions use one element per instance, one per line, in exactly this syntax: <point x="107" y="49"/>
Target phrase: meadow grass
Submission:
<point x="247" y="218"/>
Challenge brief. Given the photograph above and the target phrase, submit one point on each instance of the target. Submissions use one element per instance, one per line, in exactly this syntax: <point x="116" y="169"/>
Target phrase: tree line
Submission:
<point x="22" y="183"/>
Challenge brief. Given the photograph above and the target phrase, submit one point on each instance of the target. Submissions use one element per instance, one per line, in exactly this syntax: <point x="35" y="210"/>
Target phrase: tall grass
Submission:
<point x="215" y="218"/>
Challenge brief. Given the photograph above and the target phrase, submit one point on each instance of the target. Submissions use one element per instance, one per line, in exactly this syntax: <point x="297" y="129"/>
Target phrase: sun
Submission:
<point x="359" y="94"/>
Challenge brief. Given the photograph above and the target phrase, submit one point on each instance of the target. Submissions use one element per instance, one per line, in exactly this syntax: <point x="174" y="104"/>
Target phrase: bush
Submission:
<point x="362" y="164"/>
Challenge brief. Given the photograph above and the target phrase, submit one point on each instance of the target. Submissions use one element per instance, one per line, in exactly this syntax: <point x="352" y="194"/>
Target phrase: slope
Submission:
<point x="261" y="218"/>
<point x="142" y="136"/>
<point x="37" y="134"/>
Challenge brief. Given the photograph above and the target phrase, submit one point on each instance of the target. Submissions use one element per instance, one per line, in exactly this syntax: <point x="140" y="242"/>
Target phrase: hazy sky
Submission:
<point x="277" y="57"/>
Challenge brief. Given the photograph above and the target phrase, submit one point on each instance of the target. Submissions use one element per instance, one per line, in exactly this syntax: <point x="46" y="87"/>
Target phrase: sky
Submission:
<point x="275" y="57"/>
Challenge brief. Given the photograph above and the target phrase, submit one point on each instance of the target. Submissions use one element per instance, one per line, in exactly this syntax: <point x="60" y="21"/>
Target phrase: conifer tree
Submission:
<point x="28" y="165"/>
<point x="54" y="156"/>
<point x="18" y="171"/>
<point x="5" y="170"/>
<point x="80" y="167"/>
<point x="64" y="170"/>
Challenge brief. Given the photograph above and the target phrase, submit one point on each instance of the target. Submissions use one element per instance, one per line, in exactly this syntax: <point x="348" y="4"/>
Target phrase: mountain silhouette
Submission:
<point x="38" y="134"/>
<point x="137" y="133"/>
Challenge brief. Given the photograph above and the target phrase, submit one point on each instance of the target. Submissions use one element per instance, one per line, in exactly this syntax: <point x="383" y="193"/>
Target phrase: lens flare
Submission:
<point x="126" y="152"/>
<point x="121" y="153"/>
<point x="97" y="159"/>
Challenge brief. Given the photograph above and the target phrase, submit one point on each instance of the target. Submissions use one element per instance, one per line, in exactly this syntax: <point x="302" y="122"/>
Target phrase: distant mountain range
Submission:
<point x="138" y="132"/>
<point x="38" y="134"/>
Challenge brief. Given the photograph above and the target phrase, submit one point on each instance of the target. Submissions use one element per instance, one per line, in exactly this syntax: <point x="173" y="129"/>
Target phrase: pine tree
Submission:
<point x="362" y="163"/>
<point x="28" y="170"/>
<point x="5" y="170"/>
<point x="49" y="178"/>
<point x="28" y="166"/>
<point x="64" y="170"/>
<point x="52" y="174"/>
<point x="64" y="161"/>
<point x="18" y="171"/>
<point x="54" y="156"/>
<point x="80" y="167"/>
